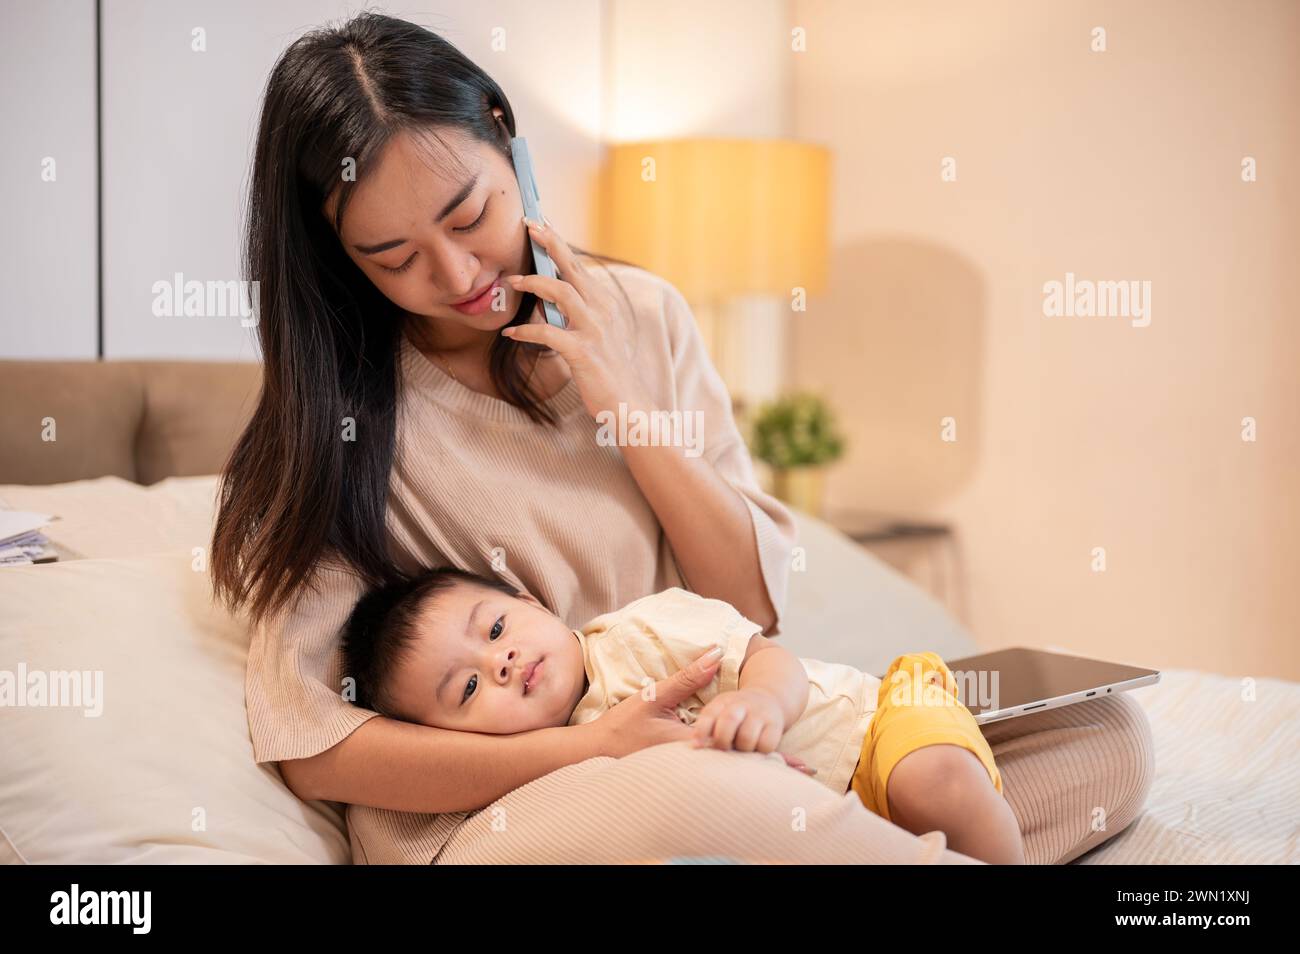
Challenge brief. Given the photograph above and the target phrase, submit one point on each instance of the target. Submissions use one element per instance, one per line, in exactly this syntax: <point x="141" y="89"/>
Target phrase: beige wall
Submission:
<point x="1072" y="433"/>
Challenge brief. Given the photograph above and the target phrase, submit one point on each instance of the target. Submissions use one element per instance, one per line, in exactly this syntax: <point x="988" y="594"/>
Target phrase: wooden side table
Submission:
<point x="923" y="551"/>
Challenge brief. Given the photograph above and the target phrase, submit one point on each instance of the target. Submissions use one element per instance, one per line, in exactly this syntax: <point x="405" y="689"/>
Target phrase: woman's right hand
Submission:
<point x="639" y="722"/>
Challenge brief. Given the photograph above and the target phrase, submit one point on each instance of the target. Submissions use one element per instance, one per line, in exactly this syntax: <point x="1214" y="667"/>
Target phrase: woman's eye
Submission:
<point x="477" y="222"/>
<point x="401" y="268"/>
<point x="496" y="628"/>
<point x="468" y="228"/>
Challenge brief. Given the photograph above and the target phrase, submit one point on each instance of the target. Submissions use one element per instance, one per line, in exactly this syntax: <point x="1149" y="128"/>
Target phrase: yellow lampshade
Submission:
<point x="719" y="217"/>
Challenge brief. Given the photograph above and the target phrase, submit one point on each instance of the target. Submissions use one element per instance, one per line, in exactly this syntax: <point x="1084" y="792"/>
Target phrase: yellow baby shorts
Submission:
<point x="917" y="706"/>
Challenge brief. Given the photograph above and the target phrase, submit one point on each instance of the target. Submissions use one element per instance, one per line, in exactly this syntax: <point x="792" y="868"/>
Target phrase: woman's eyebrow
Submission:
<point x="449" y="208"/>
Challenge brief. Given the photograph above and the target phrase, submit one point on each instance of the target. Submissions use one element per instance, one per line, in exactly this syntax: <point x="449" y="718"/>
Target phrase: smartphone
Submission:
<point x="543" y="264"/>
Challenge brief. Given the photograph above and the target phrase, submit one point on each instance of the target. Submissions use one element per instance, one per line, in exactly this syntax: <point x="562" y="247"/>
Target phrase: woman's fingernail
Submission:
<point x="713" y="653"/>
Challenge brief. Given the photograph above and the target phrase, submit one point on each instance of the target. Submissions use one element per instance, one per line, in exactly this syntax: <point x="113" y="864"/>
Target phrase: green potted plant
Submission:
<point x="796" y="435"/>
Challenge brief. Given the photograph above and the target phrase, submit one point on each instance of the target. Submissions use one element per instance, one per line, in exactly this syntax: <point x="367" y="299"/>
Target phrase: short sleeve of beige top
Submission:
<point x="556" y="512"/>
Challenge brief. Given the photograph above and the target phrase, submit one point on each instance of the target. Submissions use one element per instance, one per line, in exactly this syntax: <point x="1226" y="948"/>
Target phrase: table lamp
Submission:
<point x="737" y="225"/>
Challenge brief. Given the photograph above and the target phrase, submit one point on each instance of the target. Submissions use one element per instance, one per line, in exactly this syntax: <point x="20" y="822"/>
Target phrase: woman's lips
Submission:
<point x="482" y="302"/>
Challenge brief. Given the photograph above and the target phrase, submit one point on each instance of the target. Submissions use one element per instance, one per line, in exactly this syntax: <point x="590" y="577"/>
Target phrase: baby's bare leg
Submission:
<point x="947" y="788"/>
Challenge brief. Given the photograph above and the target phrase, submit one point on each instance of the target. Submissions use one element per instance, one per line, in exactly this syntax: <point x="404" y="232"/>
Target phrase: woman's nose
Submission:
<point x="454" y="271"/>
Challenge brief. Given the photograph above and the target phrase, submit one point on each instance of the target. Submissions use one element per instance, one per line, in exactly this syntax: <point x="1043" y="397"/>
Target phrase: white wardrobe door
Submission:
<point x="48" y="269"/>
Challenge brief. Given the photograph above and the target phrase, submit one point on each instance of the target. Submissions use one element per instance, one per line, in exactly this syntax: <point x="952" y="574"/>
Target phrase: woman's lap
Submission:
<point x="1075" y="776"/>
<point x="671" y="801"/>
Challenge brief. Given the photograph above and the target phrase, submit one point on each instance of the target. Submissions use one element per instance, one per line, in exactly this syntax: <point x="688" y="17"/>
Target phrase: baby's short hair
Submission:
<point x="381" y="627"/>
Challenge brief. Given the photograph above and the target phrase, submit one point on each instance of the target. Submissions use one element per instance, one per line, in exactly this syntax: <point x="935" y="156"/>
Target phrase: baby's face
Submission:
<point x="467" y="665"/>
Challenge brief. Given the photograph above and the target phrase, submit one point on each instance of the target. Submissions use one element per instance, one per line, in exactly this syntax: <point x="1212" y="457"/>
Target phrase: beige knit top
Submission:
<point x="476" y="484"/>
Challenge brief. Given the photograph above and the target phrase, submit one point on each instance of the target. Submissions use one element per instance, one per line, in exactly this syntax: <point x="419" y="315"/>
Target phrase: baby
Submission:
<point x="455" y="650"/>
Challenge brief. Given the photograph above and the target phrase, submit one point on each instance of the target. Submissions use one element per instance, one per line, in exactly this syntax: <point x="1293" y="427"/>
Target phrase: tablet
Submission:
<point x="1013" y="682"/>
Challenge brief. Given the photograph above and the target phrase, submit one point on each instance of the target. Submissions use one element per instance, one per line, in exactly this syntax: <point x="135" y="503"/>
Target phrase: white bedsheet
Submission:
<point x="1227" y="786"/>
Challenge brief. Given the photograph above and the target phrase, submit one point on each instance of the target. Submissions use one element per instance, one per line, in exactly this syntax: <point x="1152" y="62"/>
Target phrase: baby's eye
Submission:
<point x="496" y="627"/>
<point x="469" y="688"/>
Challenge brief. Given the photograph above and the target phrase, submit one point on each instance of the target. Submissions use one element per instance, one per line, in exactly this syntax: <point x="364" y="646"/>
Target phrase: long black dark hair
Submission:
<point x="292" y="491"/>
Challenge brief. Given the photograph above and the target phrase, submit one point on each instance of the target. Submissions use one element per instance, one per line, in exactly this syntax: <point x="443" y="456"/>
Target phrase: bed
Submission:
<point x="165" y="772"/>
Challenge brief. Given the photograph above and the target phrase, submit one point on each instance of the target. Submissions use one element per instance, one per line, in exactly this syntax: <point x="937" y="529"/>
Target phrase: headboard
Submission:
<point x="139" y="420"/>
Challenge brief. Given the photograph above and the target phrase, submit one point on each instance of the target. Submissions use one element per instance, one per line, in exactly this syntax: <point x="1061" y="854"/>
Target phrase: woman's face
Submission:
<point x="428" y="238"/>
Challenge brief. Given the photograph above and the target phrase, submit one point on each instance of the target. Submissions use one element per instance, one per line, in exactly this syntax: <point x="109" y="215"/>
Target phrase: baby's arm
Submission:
<point x="770" y="667"/>
<point x="772" y="694"/>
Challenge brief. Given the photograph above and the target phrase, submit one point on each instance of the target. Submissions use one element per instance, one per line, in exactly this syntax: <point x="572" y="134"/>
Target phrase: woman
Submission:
<point x="399" y="427"/>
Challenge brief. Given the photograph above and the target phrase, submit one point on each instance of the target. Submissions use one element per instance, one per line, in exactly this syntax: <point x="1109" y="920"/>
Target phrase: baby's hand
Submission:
<point x="747" y="720"/>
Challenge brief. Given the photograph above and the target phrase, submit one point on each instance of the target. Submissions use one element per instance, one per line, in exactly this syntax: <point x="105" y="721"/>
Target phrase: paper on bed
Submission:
<point x="19" y="523"/>
<point x="26" y="549"/>
<point x="20" y="540"/>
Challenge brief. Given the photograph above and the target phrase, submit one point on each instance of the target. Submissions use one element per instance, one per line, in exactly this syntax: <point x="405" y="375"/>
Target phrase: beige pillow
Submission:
<point x="165" y="772"/>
